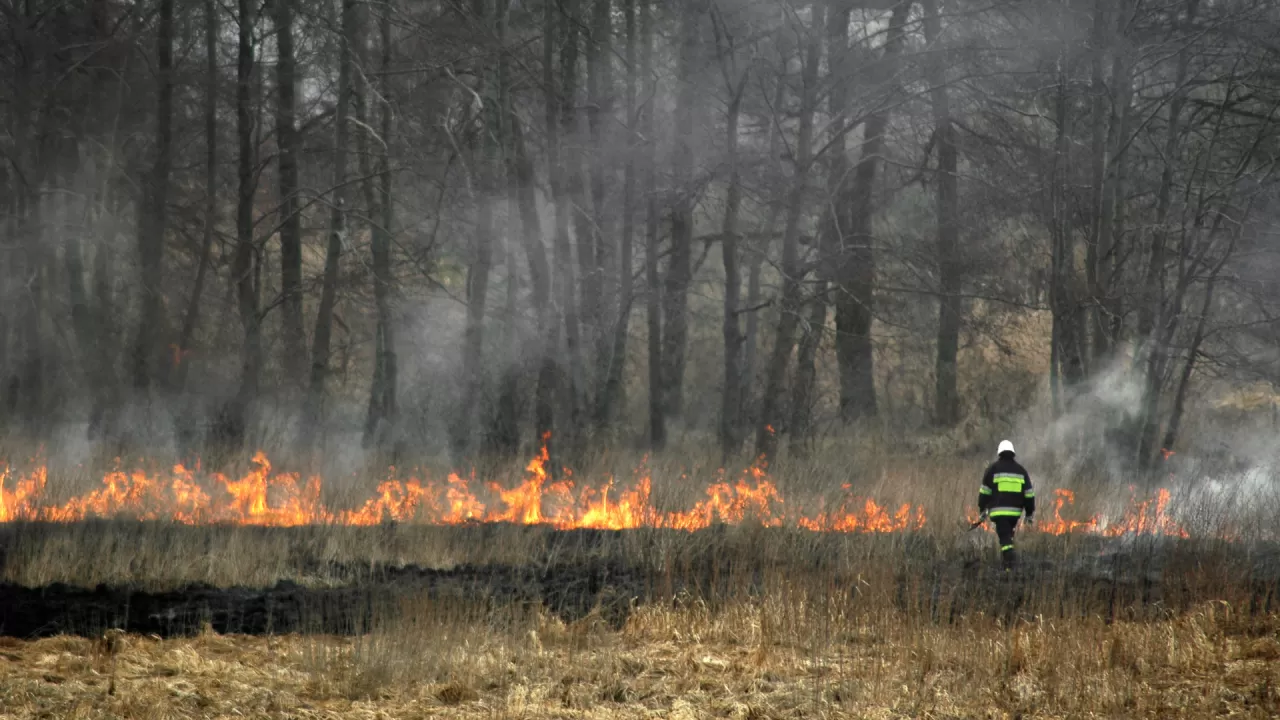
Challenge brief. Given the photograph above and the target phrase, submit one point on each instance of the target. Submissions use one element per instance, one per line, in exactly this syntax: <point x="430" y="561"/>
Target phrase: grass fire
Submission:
<point x="699" y="360"/>
<point x="265" y="498"/>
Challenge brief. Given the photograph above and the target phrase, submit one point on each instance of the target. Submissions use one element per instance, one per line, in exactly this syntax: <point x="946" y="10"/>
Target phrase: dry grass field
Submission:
<point x="819" y="634"/>
<point x="780" y="658"/>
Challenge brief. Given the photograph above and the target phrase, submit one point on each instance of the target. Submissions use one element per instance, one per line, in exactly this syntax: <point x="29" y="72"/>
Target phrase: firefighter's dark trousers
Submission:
<point x="1005" y="527"/>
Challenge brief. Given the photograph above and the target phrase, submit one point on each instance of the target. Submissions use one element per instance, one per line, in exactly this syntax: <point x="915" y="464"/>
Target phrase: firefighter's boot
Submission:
<point x="1008" y="557"/>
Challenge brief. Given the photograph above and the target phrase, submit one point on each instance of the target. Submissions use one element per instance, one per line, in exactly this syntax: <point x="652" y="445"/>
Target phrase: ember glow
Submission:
<point x="265" y="498"/>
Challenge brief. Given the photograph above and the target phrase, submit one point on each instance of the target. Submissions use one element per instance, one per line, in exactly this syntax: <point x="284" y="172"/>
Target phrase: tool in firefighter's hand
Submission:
<point x="978" y="523"/>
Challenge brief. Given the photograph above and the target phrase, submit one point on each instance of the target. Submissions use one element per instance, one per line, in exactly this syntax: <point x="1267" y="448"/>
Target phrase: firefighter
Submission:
<point x="1005" y="494"/>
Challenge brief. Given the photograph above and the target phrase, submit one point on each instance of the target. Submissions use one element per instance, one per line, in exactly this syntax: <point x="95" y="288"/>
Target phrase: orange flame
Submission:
<point x="264" y="497"/>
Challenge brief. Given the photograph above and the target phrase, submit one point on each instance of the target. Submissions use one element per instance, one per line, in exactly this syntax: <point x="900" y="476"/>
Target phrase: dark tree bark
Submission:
<point x="756" y="260"/>
<point x="478" y="271"/>
<point x="675" y="339"/>
<point x="103" y="314"/>
<point x="1112" y="223"/>
<point x="947" y="409"/>
<point x="653" y="287"/>
<point x="148" y="347"/>
<point x="600" y="279"/>
<point x="504" y="436"/>
<point x="731" y="397"/>
<point x="1067" y="333"/>
<point x="834" y="224"/>
<point x="82" y="314"/>
<point x="525" y="187"/>
<point x="24" y="381"/>
<point x="855" y="296"/>
<point x="566" y="186"/>
<point x="320" y="349"/>
<point x="611" y="393"/>
<point x="1155" y="308"/>
<point x="293" y="337"/>
<point x="1193" y="352"/>
<point x="192" y="315"/>
<point x="234" y="422"/>
<point x="27" y="389"/>
<point x="788" y="318"/>
<point x="1098" y="117"/>
<point x="800" y="433"/>
<point x="380" y="423"/>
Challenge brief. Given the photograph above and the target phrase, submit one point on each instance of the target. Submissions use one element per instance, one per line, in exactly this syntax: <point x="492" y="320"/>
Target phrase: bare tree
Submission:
<point x="616" y="364"/>
<point x="855" y="297"/>
<point x="293" y="345"/>
<point x="675" y="312"/>
<point x="380" y="423"/>
<point x="789" y="310"/>
<point x="653" y="288"/>
<point x="148" y="348"/>
<point x="234" y="420"/>
<point x="947" y="407"/>
<point x="321" y="340"/>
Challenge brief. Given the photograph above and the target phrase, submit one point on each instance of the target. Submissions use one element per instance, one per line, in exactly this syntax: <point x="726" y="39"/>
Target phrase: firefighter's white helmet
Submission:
<point x="1005" y="447"/>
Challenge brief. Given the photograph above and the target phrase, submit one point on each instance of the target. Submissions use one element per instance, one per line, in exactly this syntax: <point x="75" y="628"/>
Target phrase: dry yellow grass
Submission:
<point x="784" y="657"/>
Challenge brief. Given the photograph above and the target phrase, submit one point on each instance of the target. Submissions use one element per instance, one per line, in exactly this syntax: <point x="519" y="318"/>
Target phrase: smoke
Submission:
<point x="1220" y="481"/>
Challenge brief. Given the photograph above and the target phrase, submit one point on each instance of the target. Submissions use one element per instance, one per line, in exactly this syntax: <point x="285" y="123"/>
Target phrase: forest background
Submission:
<point x="363" y="232"/>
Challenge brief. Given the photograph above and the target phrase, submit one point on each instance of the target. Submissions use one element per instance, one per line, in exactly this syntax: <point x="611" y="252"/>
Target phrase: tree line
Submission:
<point x="498" y="221"/>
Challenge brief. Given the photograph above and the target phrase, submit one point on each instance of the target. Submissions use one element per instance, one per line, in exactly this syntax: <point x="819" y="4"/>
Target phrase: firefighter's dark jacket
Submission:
<point x="1006" y="490"/>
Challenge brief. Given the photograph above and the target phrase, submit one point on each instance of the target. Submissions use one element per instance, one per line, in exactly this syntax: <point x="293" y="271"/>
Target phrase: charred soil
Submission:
<point x="147" y="578"/>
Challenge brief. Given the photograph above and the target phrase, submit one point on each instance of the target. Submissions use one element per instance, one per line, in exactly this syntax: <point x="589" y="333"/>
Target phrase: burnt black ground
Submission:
<point x="570" y="591"/>
<point x="575" y="573"/>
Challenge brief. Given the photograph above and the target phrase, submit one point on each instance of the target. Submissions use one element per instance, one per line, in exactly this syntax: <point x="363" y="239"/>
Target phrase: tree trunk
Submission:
<point x="25" y="387"/>
<point x="293" y="345"/>
<point x="1098" y="116"/>
<point x="751" y="339"/>
<point x="148" y="348"/>
<point x="1111" y="223"/>
<point x="1154" y="305"/>
<point x="337" y="231"/>
<point x="234" y="423"/>
<point x="834" y="224"/>
<point x="192" y="314"/>
<point x="801" y="431"/>
<point x="653" y="288"/>
<point x="82" y="321"/>
<point x="1180" y="398"/>
<point x="30" y="396"/>
<point x="599" y="117"/>
<point x="478" y="270"/>
<point x="1067" y="331"/>
<point x="675" y="339"/>
<point x="612" y="390"/>
<point x="788" y="318"/>
<point x="504" y="436"/>
<point x="731" y="398"/>
<point x="855" y="295"/>
<point x="524" y="185"/>
<point x="106" y="342"/>
<point x="566" y="185"/>
<point x="380" y="422"/>
<point x="947" y="409"/>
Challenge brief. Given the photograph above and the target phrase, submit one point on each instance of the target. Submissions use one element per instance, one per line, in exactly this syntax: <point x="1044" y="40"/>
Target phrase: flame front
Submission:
<point x="267" y="498"/>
